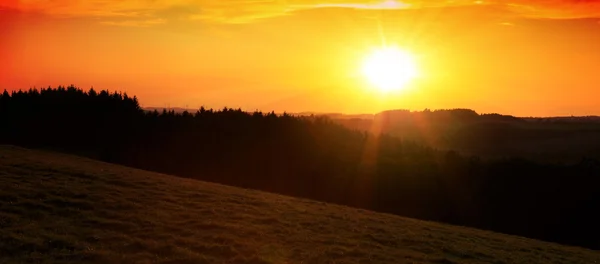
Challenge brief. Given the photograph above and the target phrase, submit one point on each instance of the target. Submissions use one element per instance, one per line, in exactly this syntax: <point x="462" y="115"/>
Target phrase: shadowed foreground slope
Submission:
<point x="60" y="208"/>
<point x="315" y="158"/>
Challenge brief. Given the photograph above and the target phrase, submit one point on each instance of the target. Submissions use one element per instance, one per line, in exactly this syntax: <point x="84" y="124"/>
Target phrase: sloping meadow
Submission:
<point x="56" y="208"/>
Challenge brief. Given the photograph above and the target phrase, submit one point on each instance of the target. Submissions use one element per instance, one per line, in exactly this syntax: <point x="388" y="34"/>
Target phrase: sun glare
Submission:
<point x="389" y="69"/>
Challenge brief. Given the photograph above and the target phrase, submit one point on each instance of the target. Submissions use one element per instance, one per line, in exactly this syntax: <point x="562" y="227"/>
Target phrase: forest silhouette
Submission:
<point x="316" y="157"/>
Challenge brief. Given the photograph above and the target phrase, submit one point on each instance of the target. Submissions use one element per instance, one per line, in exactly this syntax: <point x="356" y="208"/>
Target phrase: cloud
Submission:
<point x="388" y="4"/>
<point x="149" y="12"/>
<point x="135" y="23"/>
<point x="508" y="24"/>
<point x="556" y="9"/>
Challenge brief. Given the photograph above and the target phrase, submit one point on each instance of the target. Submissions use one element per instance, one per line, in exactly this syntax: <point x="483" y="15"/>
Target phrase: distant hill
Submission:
<point x="58" y="208"/>
<point x="179" y="110"/>
<point x="572" y="119"/>
<point x="370" y="116"/>
<point x="557" y="139"/>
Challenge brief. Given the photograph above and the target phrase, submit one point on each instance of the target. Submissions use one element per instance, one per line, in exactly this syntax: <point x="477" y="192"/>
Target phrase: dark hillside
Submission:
<point x="313" y="157"/>
<point x="65" y="209"/>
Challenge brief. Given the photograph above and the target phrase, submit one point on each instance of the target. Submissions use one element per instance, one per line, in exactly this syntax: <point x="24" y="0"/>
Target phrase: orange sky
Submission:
<point x="526" y="58"/>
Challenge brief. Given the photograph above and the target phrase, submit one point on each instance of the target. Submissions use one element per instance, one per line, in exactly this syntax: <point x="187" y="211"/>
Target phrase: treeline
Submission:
<point x="316" y="158"/>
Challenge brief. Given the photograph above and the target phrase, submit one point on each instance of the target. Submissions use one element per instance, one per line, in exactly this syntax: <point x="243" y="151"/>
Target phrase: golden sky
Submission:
<point x="526" y="58"/>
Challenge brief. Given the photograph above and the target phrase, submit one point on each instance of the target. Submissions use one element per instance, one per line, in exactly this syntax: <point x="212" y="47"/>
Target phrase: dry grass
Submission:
<point x="56" y="208"/>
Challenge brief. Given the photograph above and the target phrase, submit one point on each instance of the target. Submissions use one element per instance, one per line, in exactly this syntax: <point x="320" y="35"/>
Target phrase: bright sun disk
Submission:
<point x="390" y="69"/>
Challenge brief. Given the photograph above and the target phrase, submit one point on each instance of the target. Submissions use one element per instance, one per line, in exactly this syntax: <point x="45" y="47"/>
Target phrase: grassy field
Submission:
<point x="56" y="208"/>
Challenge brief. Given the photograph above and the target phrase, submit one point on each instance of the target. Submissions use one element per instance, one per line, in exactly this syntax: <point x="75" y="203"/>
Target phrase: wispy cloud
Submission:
<point x="388" y="4"/>
<point x="149" y="12"/>
<point x="556" y="9"/>
<point x="508" y="24"/>
<point x="135" y="23"/>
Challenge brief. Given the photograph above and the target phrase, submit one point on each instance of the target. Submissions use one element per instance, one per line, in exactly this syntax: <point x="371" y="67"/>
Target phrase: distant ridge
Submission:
<point x="335" y="115"/>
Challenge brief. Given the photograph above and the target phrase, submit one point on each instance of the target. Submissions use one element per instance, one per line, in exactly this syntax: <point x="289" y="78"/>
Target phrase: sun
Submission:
<point x="390" y="69"/>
